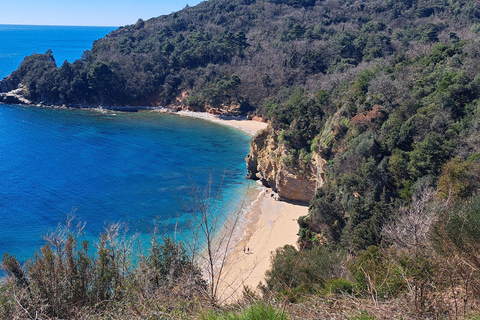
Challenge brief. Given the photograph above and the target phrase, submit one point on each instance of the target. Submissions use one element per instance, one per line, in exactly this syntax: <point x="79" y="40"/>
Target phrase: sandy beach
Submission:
<point x="268" y="225"/>
<point x="248" y="126"/>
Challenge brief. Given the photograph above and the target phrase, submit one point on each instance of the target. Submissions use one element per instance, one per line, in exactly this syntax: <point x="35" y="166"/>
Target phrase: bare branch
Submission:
<point x="411" y="227"/>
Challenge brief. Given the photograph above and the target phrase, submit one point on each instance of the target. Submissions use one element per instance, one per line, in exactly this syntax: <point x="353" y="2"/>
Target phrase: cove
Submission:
<point x="108" y="167"/>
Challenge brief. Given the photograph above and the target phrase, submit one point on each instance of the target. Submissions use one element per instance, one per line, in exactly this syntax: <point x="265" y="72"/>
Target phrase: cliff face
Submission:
<point x="266" y="162"/>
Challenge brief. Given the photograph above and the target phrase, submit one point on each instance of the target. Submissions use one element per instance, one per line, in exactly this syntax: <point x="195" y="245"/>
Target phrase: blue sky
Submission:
<point x="86" y="12"/>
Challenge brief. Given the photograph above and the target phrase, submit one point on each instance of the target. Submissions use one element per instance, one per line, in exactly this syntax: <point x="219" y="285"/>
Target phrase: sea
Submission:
<point x="99" y="168"/>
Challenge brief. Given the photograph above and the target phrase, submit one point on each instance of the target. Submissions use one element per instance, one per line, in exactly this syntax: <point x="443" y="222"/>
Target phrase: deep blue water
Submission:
<point x="105" y="167"/>
<point x="113" y="167"/>
<point x="66" y="42"/>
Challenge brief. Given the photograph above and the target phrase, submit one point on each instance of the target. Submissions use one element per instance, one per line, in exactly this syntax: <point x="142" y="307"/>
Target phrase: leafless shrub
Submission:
<point x="212" y="234"/>
<point x="411" y="227"/>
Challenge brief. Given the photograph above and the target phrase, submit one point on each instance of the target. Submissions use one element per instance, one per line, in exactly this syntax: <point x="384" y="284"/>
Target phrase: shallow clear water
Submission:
<point x="107" y="167"/>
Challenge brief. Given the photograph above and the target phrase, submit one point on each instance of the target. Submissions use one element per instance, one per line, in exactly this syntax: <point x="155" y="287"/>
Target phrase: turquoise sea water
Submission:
<point x="66" y="42"/>
<point x="106" y="167"/>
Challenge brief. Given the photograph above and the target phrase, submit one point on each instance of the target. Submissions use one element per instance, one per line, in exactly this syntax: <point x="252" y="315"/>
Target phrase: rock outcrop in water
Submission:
<point x="267" y="162"/>
<point x="14" y="96"/>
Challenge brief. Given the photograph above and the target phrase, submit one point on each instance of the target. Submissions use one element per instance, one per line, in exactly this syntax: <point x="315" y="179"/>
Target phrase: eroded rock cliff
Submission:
<point x="270" y="162"/>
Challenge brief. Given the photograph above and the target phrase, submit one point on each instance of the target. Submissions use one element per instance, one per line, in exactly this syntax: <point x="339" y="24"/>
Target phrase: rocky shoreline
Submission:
<point x="16" y="96"/>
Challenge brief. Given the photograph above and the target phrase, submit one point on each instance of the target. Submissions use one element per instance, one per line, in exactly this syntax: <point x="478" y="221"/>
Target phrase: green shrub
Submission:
<point x="326" y="215"/>
<point x="7" y="302"/>
<point x="429" y="155"/>
<point x="65" y="280"/>
<point x="169" y="263"/>
<point x="362" y="315"/>
<point x="475" y="28"/>
<point x="262" y="311"/>
<point x="339" y="286"/>
<point x="459" y="178"/>
<point x="457" y="233"/>
<point x="294" y="272"/>
<point x="376" y="274"/>
<point x="254" y="312"/>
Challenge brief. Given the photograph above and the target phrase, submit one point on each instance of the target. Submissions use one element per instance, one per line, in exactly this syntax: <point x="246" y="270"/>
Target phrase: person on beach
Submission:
<point x="243" y="249"/>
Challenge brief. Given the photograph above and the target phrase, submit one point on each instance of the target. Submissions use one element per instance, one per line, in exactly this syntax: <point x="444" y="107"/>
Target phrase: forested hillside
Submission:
<point x="385" y="93"/>
<point x="243" y="52"/>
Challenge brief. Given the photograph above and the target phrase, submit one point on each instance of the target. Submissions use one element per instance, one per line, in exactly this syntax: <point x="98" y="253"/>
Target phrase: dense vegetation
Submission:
<point x="400" y="127"/>
<point x="66" y="281"/>
<point x="387" y="92"/>
<point x="223" y="53"/>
